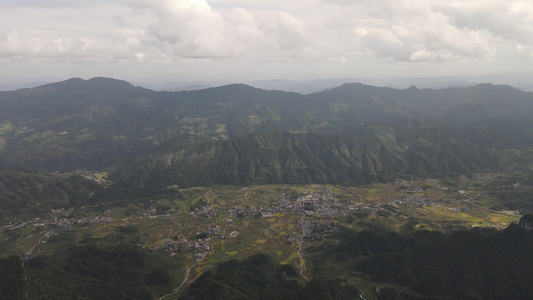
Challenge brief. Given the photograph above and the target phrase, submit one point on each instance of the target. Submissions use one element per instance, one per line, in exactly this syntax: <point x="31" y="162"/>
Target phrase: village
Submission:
<point x="320" y="204"/>
<point x="316" y="214"/>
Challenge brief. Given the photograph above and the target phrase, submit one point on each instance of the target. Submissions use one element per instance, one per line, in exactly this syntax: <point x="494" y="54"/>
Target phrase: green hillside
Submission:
<point x="376" y="152"/>
<point x="483" y="264"/>
<point x="98" y="123"/>
<point x="85" y="271"/>
<point x="25" y="195"/>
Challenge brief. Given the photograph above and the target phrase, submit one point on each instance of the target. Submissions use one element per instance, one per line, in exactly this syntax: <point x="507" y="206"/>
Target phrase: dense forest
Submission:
<point x="87" y="271"/>
<point x="376" y="152"/>
<point x="259" y="277"/>
<point x="237" y="134"/>
<point x="485" y="264"/>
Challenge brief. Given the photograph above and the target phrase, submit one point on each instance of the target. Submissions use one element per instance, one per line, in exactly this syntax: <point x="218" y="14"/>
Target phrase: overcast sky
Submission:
<point x="256" y="39"/>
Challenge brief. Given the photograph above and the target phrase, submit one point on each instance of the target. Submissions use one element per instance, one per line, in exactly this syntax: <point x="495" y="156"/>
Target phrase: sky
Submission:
<point x="233" y="40"/>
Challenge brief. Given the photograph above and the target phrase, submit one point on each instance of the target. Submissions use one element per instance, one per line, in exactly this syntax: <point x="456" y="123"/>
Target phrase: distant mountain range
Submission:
<point x="146" y="146"/>
<point x="237" y="134"/>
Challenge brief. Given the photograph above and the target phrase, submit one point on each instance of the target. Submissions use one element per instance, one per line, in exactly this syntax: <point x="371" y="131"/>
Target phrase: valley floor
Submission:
<point x="210" y="225"/>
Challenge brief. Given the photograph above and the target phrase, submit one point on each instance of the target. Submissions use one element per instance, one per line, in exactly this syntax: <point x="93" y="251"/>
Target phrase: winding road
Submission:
<point x="187" y="276"/>
<point x="301" y="261"/>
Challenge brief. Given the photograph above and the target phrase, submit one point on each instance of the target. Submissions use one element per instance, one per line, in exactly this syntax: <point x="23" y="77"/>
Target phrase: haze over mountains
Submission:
<point x="81" y="149"/>
<point x="312" y="86"/>
<point x="522" y="81"/>
<point x="237" y="134"/>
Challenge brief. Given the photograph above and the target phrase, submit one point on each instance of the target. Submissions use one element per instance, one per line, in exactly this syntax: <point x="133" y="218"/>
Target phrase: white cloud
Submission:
<point x="525" y="51"/>
<point x="413" y="31"/>
<point x="63" y="34"/>
<point x="340" y="59"/>
<point x="256" y="32"/>
<point x="192" y="29"/>
<point x="511" y="20"/>
<point x="423" y="55"/>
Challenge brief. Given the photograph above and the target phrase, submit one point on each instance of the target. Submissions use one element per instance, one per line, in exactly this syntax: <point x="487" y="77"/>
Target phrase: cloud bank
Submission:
<point x="329" y="31"/>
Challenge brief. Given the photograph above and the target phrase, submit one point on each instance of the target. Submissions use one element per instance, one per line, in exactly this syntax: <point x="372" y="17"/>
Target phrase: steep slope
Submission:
<point x="455" y="105"/>
<point x="259" y="277"/>
<point x="27" y="195"/>
<point x="376" y="152"/>
<point x="486" y="263"/>
<point x="93" y="124"/>
<point x="98" y="123"/>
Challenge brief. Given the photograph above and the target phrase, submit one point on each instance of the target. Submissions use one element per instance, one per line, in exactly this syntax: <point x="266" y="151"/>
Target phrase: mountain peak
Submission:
<point x="100" y="85"/>
<point x="238" y="89"/>
<point x="109" y="81"/>
<point x="237" y="86"/>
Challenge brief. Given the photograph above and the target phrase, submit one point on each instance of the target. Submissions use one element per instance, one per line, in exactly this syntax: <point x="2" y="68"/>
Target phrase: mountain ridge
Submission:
<point x="100" y="123"/>
<point x="376" y="152"/>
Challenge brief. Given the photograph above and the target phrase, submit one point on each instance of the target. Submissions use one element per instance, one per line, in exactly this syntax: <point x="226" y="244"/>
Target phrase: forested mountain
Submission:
<point x="480" y="264"/>
<point x="87" y="271"/>
<point x="376" y="152"/>
<point x="122" y="190"/>
<point x="29" y="195"/>
<point x="260" y="277"/>
<point x="247" y="135"/>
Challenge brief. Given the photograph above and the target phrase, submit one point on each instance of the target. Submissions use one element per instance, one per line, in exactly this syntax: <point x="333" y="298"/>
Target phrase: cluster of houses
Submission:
<point x="208" y="211"/>
<point x="312" y="230"/>
<point x="320" y="204"/>
<point x="201" y="245"/>
<point x="65" y="223"/>
<point x="55" y="211"/>
<point x="419" y="201"/>
<point x="415" y="189"/>
<point x="34" y="222"/>
<point x="413" y="200"/>
<point x="93" y="220"/>
<point x="365" y="208"/>
<point x="212" y="231"/>
<point x="61" y="222"/>
<point x="482" y="176"/>
<point x="149" y="212"/>
<point x="460" y="209"/>
<point x="172" y="247"/>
